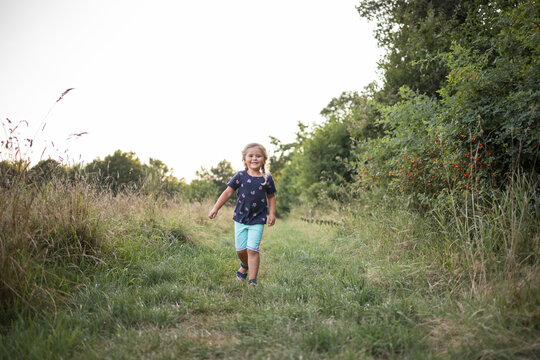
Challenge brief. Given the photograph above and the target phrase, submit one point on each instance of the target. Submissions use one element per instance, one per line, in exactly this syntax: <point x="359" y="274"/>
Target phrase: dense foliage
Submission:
<point x="456" y="111"/>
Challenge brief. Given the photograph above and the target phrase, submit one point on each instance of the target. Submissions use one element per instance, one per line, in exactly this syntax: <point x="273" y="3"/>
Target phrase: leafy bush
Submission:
<point x="483" y="127"/>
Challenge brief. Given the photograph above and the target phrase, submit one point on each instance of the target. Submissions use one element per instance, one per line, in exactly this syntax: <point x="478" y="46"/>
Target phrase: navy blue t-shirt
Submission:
<point x="252" y="203"/>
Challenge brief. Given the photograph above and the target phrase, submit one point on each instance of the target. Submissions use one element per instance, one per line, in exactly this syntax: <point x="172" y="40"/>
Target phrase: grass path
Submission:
<point x="308" y="303"/>
<point x="319" y="296"/>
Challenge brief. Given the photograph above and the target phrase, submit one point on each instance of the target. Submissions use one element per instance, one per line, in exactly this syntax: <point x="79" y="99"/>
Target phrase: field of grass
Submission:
<point x="356" y="291"/>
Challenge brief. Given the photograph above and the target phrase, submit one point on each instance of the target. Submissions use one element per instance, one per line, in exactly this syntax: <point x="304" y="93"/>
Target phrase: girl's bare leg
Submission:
<point x="253" y="263"/>
<point x="243" y="256"/>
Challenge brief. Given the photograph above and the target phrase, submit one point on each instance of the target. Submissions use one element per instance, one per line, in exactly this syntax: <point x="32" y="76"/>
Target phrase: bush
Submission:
<point x="481" y="130"/>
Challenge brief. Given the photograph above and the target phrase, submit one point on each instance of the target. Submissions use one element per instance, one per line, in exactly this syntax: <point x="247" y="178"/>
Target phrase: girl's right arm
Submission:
<point x="225" y="195"/>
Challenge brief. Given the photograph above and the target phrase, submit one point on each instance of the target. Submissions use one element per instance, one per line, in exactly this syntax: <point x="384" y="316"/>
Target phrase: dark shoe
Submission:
<point x="240" y="275"/>
<point x="252" y="282"/>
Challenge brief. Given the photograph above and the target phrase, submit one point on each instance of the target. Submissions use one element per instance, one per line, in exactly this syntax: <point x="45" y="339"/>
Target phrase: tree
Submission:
<point x="210" y="183"/>
<point x="282" y="154"/>
<point x="414" y="33"/>
<point x="325" y="154"/>
<point x="119" y="171"/>
<point x="219" y="175"/>
<point x="12" y="173"/>
<point x="317" y="166"/>
<point x="159" y="180"/>
<point x="47" y="170"/>
<point x="360" y="112"/>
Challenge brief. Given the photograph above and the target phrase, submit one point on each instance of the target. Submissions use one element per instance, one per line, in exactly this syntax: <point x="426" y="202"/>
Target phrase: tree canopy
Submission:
<point x="118" y="171"/>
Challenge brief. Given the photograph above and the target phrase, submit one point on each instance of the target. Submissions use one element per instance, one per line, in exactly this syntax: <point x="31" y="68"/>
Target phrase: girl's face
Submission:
<point x="254" y="159"/>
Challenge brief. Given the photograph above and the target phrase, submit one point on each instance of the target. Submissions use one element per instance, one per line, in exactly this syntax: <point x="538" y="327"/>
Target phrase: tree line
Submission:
<point x="122" y="171"/>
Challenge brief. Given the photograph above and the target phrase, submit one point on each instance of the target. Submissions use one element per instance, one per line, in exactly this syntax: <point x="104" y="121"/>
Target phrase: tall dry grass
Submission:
<point x="474" y="246"/>
<point x="53" y="233"/>
<point x="496" y="238"/>
<point x="43" y="228"/>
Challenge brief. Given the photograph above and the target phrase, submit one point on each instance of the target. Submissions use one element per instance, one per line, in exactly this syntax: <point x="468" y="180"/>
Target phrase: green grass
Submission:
<point x="323" y="293"/>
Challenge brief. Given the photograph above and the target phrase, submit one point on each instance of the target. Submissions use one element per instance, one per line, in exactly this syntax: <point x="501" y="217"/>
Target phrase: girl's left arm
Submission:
<point x="271" y="209"/>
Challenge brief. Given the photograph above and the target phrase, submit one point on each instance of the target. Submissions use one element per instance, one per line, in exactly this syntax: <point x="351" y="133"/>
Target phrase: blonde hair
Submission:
<point x="263" y="150"/>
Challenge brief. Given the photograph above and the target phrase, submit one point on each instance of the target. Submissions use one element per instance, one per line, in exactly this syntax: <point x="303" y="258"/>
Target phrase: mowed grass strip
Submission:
<point x="313" y="301"/>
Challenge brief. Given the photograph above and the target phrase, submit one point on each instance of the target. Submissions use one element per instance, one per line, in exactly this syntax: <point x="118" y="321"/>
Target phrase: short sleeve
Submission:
<point x="235" y="181"/>
<point x="271" y="189"/>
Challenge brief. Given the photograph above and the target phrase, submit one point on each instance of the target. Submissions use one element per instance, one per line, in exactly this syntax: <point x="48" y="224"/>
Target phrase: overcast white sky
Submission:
<point x="186" y="82"/>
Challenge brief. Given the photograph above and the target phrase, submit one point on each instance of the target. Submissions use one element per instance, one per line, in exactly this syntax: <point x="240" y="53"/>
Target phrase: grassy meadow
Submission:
<point x="133" y="276"/>
<point x="409" y="222"/>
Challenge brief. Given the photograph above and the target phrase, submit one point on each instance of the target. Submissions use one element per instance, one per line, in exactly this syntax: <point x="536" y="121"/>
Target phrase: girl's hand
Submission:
<point x="212" y="214"/>
<point x="271" y="220"/>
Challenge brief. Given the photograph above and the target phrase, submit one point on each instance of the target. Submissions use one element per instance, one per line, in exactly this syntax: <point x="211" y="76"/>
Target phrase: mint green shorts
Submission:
<point x="247" y="236"/>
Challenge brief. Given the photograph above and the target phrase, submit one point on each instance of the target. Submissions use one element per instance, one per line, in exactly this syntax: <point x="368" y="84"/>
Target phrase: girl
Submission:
<point x="255" y="207"/>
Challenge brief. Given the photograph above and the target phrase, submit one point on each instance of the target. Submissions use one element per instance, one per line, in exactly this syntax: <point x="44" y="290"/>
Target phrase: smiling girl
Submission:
<point x="256" y="206"/>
